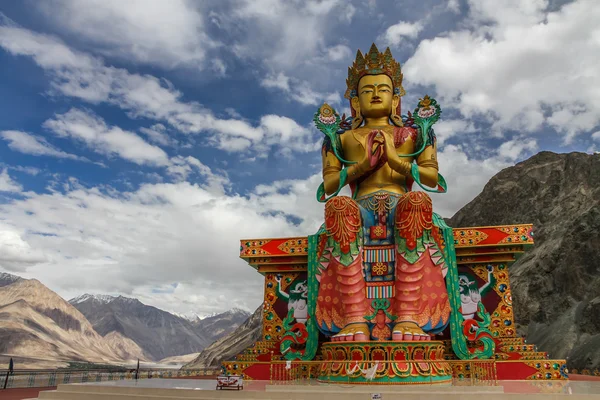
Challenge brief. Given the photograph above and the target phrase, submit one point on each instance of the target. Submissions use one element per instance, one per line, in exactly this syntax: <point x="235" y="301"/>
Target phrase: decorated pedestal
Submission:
<point x="483" y="256"/>
<point x="384" y="363"/>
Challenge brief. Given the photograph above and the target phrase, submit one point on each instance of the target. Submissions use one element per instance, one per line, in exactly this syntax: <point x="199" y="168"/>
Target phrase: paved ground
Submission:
<point x="20" y="394"/>
<point x="575" y="377"/>
<point x="29" y="393"/>
<point x="32" y="393"/>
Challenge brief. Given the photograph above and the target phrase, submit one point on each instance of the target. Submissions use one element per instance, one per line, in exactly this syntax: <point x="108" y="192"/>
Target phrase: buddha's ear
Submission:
<point x="358" y="119"/>
<point x="395" y="102"/>
<point x="355" y="104"/>
<point x="396" y="119"/>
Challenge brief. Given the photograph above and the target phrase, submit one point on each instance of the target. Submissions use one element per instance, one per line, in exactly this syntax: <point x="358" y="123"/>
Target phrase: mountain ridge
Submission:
<point x="35" y="320"/>
<point x="556" y="283"/>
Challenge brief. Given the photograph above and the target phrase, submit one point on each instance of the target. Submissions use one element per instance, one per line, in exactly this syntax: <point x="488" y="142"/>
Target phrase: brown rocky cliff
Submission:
<point x="36" y="322"/>
<point x="555" y="284"/>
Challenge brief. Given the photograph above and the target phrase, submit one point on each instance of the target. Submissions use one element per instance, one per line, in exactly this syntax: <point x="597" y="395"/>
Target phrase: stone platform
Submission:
<point x="202" y="389"/>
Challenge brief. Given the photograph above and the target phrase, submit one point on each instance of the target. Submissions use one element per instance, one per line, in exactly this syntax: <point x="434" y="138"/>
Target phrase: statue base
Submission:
<point x="284" y="262"/>
<point x="390" y="363"/>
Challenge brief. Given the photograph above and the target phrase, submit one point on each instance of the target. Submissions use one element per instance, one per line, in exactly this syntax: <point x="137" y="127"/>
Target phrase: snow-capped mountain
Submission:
<point x="160" y="333"/>
<point x="100" y="327"/>
<point x="189" y="316"/>
<point x="216" y="326"/>
<point x="36" y="322"/>
<point x="101" y="298"/>
<point x="7" y="279"/>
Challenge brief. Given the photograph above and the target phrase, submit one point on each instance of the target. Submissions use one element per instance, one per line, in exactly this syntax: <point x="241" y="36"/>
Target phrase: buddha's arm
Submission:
<point x="331" y="172"/>
<point x="428" y="166"/>
<point x="427" y="162"/>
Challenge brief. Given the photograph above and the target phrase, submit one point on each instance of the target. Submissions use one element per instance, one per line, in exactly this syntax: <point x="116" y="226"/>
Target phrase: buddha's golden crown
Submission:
<point x="374" y="63"/>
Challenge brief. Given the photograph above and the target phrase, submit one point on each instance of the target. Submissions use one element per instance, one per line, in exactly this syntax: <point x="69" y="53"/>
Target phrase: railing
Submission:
<point x="471" y="373"/>
<point x="48" y="378"/>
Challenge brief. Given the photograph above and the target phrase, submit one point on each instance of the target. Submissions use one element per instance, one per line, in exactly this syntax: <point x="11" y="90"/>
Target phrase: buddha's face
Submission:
<point x="376" y="97"/>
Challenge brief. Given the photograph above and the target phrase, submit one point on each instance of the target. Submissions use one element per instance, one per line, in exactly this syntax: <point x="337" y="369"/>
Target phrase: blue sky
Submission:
<point x="140" y="140"/>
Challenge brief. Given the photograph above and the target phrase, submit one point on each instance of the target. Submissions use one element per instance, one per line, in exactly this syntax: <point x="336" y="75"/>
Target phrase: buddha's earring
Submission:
<point x="397" y="120"/>
<point x="357" y="121"/>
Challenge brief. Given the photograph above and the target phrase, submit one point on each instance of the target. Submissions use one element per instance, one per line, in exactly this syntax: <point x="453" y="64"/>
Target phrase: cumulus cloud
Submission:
<point x="86" y="127"/>
<point x="158" y="134"/>
<point x="7" y="184"/>
<point x="299" y="90"/>
<point x="295" y="31"/>
<point x="15" y="253"/>
<point x="520" y="67"/>
<point x="86" y="78"/>
<point x="144" y="31"/>
<point x="160" y="233"/>
<point x="465" y="177"/>
<point x="394" y="35"/>
<point x="448" y="128"/>
<point x="339" y="52"/>
<point x="513" y="149"/>
<point x="35" y="145"/>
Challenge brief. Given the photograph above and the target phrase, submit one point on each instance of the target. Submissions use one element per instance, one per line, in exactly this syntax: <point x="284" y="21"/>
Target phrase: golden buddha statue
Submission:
<point x="381" y="273"/>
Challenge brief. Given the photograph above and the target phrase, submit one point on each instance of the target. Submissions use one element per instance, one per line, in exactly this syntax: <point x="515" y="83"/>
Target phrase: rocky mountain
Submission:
<point x="36" y="322"/>
<point x="216" y="326"/>
<point x="179" y="360"/>
<point x="159" y="333"/>
<point x="555" y="284"/>
<point x="229" y="346"/>
<point x="7" y="279"/>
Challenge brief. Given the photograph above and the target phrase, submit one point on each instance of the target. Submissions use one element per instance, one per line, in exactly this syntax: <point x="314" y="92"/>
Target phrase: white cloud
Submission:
<point x="348" y="13"/>
<point x="15" y="253"/>
<point x="447" y="128"/>
<point x="596" y="136"/>
<point x="394" y="35"/>
<point x="298" y="90"/>
<point x="295" y="31"/>
<point x="279" y="81"/>
<point x="158" y="134"/>
<point x="273" y="131"/>
<point x="286" y="132"/>
<point x="514" y="149"/>
<point x="88" y="128"/>
<point x="523" y="68"/>
<point x="510" y="12"/>
<point x="28" y="170"/>
<point x="7" y="184"/>
<point x="106" y="241"/>
<point x="34" y="145"/>
<point x="339" y="52"/>
<point x="465" y="177"/>
<point x="166" y="34"/>
<point x="87" y="78"/>
<point x="454" y="6"/>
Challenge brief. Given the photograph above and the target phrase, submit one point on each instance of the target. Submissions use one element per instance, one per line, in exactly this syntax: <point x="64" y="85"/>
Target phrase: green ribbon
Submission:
<point x="321" y="197"/>
<point x="442" y="187"/>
